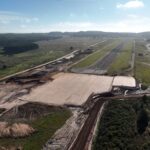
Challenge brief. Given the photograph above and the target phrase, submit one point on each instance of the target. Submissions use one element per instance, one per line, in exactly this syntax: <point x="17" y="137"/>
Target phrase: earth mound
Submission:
<point x="15" y="130"/>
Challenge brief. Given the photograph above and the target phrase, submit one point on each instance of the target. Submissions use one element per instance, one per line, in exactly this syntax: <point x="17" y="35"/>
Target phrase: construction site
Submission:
<point x="38" y="91"/>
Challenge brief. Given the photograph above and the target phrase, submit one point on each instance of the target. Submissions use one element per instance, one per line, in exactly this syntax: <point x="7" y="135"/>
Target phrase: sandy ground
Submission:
<point x="69" y="88"/>
<point x="124" y="81"/>
<point x="10" y="104"/>
<point x="5" y="89"/>
<point x="7" y="92"/>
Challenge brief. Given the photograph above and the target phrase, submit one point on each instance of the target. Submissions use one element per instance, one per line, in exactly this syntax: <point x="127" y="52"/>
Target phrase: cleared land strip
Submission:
<point x="82" y="138"/>
<point x="74" y="89"/>
<point x="147" y="64"/>
<point x="124" y="60"/>
<point x="69" y="88"/>
<point x="33" y="68"/>
<point x="93" y="58"/>
<point x="105" y="62"/>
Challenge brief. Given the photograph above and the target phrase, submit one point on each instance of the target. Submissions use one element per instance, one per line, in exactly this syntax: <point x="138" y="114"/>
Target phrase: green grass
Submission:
<point x="91" y="59"/>
<point x="46" y="127"/>
<point x="117" y="129"/>
<point x="47" y="51"/>
<point x="122" y="61"/>
<point x="142" y="73"/>
<point x="29" y="62"/>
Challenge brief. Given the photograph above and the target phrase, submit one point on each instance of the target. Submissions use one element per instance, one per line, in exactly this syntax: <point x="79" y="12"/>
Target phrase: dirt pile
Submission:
<point x="15" y="130"/>
<point x="37" y="77"/>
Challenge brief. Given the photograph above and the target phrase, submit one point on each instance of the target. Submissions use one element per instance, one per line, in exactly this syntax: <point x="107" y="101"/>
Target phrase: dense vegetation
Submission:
<point x="10" y="39"/>
<point x="99" y="34"/>
<point x="17" y="43"/>
<point x="19" y="48"/>
<point x="124" y="126"/>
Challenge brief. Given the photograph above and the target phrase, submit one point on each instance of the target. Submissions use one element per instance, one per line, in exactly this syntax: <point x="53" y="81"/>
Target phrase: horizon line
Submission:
<point x="72" y="32"/>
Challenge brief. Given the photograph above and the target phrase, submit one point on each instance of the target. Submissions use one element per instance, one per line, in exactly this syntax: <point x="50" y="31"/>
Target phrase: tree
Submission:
<point x="144" y="99"/>
<point x="71" y="48"/>
<point x="142" y="121"/>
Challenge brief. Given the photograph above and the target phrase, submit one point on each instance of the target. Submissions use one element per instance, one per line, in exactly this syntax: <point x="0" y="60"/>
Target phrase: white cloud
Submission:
<point x="131" y="4"/>
<point x="9" y="12"/>
<point x="35" y="19"/>
<point x="23" y="26"/>
<point x="7" y="17"/>
<point x="133" y="16"/>
<point x="130" y="23"/>
<point x="101" y="8"/>
<point x="72" y="15"/>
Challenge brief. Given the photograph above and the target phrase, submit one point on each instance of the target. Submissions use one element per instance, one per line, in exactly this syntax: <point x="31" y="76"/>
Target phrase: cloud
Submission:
<point x="101" y="8"/>
<point x="71" y="26"/>
<point x="35" y="19"/>
<point x="72" y="15"/>
<point x="133" y="16"/>
<point x="23" y="26"/>
<point x="131" y="4"/>
<point x="7" y="17"/>
<point x="130" y="23"/>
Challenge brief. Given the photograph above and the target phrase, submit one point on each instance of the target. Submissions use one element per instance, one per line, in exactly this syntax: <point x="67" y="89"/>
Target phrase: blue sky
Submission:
<point x="74" y="15"/>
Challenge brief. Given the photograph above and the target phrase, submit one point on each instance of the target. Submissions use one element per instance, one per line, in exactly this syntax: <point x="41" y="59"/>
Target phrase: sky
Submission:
<point x="26" y="16"/>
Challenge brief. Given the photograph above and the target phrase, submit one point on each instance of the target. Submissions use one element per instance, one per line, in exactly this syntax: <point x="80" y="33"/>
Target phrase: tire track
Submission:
<point x="83" y="136"/>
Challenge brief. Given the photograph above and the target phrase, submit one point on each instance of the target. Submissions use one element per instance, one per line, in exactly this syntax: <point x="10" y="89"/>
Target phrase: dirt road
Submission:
<point x="132" y="63"/>
<point x="82" y="138"/>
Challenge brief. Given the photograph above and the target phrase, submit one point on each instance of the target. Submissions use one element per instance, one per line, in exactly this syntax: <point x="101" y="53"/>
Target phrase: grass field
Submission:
<point x="123" y="126"/>
<point x="47" y="51"/>
<point x="142" y="73"/>
<point x="45" y="126"/>
<point x="91" y="59"/>
<point x="142" y="63"/>
<point x="123" y="59"/>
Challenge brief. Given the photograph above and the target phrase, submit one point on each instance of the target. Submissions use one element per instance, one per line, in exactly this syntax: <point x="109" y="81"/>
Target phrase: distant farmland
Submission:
<point x="48" y="50"/>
